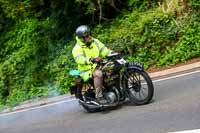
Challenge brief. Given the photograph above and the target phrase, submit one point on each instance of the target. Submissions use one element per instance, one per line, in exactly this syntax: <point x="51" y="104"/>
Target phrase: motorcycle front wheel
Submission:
<point x="139" y="87"/>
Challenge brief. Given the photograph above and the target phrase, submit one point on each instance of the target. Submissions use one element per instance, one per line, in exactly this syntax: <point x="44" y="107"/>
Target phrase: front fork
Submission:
<point x="120" y="88"/>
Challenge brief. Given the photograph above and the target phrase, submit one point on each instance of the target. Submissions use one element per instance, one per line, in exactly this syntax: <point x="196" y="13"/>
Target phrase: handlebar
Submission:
<point x="112" y="56"/>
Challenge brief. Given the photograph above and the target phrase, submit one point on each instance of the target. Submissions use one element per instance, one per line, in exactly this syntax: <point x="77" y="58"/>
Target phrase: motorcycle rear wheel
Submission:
<point x="139" y="87"/>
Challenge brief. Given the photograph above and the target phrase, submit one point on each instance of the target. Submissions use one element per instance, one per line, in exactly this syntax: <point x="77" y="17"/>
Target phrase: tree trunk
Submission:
<point x="100" y="10"/>
<point x="112" y="3"/>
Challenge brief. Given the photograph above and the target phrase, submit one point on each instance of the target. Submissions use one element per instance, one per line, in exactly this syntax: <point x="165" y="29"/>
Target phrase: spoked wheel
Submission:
<point x="139" y="87"/>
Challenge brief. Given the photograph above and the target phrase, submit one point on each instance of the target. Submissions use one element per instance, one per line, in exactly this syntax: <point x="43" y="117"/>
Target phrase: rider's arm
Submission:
<point x="103" y="50"/>
<point x="79" y="56"/>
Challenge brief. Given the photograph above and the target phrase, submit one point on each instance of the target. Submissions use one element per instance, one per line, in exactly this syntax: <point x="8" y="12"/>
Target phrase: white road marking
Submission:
<point x="70" y="100"/>
<point x="177" y="76"/>
<point x="188" y="131"/>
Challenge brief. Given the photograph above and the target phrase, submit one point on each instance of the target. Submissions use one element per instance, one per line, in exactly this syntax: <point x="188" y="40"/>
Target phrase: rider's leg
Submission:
<point x="98" y="81"/>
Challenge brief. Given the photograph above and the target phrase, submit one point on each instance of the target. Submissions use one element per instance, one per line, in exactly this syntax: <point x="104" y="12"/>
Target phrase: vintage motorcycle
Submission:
<point x="121" y="80"/>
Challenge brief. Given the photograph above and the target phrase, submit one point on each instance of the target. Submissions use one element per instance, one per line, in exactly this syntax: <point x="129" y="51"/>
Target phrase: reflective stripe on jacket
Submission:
<point x="82" y="55"/>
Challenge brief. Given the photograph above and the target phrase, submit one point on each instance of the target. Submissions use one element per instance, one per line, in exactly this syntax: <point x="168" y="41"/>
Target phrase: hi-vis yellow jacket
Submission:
<point x="82" y="55"/>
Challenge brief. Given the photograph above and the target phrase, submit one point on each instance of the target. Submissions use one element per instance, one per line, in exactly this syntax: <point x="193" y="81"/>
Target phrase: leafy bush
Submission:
<point x="188" y="45"/>
<point x="142" y="35"/>
<point x="155" y="38"/>
<point x="142" y="5"/>
<point x="33" y="63"/>
<point x="195" y="4"/>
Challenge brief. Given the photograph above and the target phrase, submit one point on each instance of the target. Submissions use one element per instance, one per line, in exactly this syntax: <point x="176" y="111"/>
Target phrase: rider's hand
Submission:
<point x="96" y="60"/>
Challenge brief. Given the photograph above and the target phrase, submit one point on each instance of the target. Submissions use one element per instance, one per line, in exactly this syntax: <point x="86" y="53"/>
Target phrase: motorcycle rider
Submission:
<point x="87" y="52"/>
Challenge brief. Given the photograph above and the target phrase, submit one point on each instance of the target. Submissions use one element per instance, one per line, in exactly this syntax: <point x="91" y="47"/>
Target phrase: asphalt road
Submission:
<point x="175" y="107"/>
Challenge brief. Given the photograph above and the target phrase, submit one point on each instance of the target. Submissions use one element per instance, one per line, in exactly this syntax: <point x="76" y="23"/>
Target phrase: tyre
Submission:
<point x="139" y="87"/>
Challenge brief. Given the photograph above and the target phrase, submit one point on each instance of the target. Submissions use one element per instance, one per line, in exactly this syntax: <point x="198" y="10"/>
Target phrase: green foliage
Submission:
<point x="18" y="47"/>
<point x="27" y="67"/>
<point x="19" y="9"/>
<point x="195" y="4"/>
<point x="142" y="35"/>
<point x="142" y="5"/>
<point x="188" y="45"/>
<point x="16" y="96"/>
<point x="36" y="39"/>
<point x="155" y="38"/>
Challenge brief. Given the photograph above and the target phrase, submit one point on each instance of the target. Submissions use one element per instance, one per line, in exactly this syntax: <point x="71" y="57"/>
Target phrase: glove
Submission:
<point x="96" y="60"/>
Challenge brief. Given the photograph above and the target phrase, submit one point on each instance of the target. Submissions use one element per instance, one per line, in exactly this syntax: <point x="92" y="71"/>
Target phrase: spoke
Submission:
<point x="131" y="87"/>
<point x="136" y="77"/>
<point x="135" y="93"/>
<point x="137" y="83"/>
<point x="135" y="80"/>
<point x="142" y="91"/>
<point x="132" y="77"/>
<point x="139" y="94"/>
<point x="139" y="78"/>
<point x="144" y="88"/>
<point x="143" y="83"/>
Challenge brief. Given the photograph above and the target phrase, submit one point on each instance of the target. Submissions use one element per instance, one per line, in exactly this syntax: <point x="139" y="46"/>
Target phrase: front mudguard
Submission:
<point x="135" y="66"/>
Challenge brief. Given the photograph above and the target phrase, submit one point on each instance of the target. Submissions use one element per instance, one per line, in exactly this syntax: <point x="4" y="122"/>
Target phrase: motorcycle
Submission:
<point x="121" y="80"/>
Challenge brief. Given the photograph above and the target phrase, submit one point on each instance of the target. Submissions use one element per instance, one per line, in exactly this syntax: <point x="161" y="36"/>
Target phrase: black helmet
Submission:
<point x="83" y="31"/>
